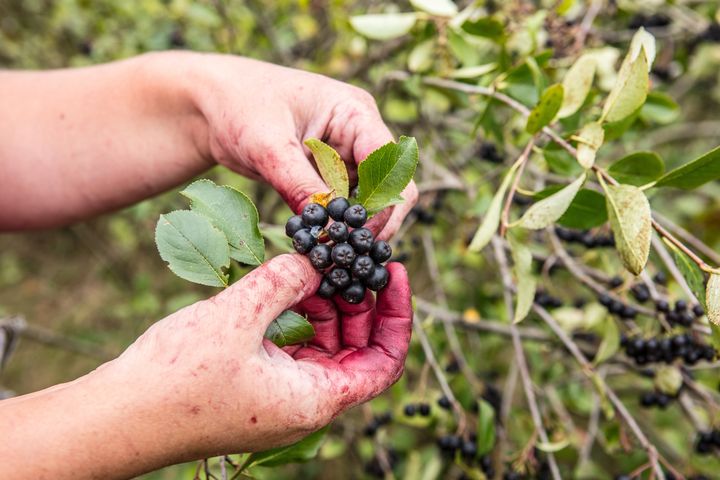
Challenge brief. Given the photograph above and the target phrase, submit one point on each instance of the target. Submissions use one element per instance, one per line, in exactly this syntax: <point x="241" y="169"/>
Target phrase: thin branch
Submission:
<point x="670" y="264"/>
<point x="586" y="24"/>
<point x="688" y="237"/>
<point x="520" y="359"/>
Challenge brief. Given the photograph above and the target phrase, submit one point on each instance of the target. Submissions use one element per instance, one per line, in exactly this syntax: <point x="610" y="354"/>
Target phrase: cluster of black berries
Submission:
<point x="641" y="292"/>
<point x="488" y="151"/>
<point x="616" y="307"/>
<point x="377" y="421"/>
<point x="423" y="409"/>
<point x="585" y="238"/>
<point x="648" y="20"/>
<point x="667" y="349"/>
<point x="680" y="314"/>
<point x="708" y="442"/>
<point x="656" y="399"/>
<point x="352" y="261"/>
<point x="450" y="444"/>
<point x="546" y="300"/>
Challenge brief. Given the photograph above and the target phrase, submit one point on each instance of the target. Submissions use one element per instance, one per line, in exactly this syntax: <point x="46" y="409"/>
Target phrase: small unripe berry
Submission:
<point x="378" y="279"/>
<point x="338" y="232"/>
<point x="303" y="241"/>
<point x="355" y="216"/>
<point x="361" y="240"/>
<point x="336" y="208"/>
<point x="315" y="214"/>
<point x="380" y="251"/>
<point x="355" y="293"/>
<point x="293" y="225"/>
<point x="343" y="255"/>
<point x="320" y="256"/>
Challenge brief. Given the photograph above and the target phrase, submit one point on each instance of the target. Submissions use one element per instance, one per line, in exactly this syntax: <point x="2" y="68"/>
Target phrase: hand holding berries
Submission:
<point x="354" y="253"/>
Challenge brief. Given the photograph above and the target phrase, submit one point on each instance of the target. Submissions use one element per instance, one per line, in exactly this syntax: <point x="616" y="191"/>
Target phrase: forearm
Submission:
<point x="75" y="143"/>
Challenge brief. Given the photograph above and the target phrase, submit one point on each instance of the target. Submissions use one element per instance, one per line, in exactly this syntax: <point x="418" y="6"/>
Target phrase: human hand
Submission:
<point x="219" y="387"/>
<point x="259" y="114"/>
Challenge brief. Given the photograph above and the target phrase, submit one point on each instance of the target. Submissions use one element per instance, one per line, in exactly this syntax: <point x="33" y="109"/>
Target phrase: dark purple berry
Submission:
<point x="380" y="251"/>
<point x="424" y="409"/>
<point x="363" y="267"/>
<point x="320" y="256"/>
<point x="355" y="216"/>
<point x="315" y="214"/>
<point x="339" y="277"/>
<point x="343" y="255"/>
<point x="615" y="282"/>
<point x="698" y="310"/>
<point x="293" y="225"/>
<point x="361" y="240"/>
<point x="378" y="279"/>
<point x="409" y="410"/>
<point x="303" y="241"/>
<point x="681" y="305"/>
<point x="468" y="449"/>
<point x="660" y="278"/>
<point x="444" y="403"/>
<point x="338" y="232"/>
<point x="628" y="312"/>
<point x="326" y="288"/>
<point x="648" y="399"/>
<point x="662" y="306"/>
<point x="336" y="208"/>
<point x="355" y="293"/>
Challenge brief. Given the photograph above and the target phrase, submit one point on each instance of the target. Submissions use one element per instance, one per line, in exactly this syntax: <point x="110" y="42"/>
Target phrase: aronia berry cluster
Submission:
<point x="351" y="259"/>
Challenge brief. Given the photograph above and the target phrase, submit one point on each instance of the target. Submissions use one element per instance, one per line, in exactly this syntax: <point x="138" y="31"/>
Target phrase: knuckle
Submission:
<point x="298" y="193"/>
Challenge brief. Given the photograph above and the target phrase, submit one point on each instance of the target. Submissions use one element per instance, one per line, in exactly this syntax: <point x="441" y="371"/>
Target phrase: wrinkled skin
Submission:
<point x="204" y="381"/>
<point x="114" y="134"/>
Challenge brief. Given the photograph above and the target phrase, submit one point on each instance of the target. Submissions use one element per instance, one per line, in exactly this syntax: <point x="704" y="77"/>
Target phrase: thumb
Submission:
<point x="260" y="296"/>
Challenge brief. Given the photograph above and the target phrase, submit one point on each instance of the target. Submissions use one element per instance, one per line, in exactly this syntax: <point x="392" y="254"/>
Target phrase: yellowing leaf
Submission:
<point x="590" y="139"/>
<point x="630" y="90"/>
<point x="712" y="299"/>
<point x="642" y="41"/>
<point x="548" y="210"/>
<point x="491" y="220"/>
<point x="383" y="26"/>
<point x="322" y="198"/>
<point x="331" y="167"/>
<point x="440" y="8"/>
<point x="630" y="219"/>
<point x="576" y="85"/>
<point x="526" y="283"/>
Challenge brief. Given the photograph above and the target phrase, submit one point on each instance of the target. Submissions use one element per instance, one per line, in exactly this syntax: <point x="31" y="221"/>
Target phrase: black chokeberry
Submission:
<point x="424" y="409"/>
<point x="355" y="216"/>
<point x="662" y="306"/>
<point x="303" y="241"/>
<point x="343" y="255"/>
<point x="698" y="310"/>
<point x="468" y="449"/>
<point x="320" y="256"/>
<point x="339" y="277"/>
<point x="686" y="319"/>
<point x="378" y="279"/>
<point x="315" y="214"/>
<point x="363" y="267"/>
<point x="380" y="251"/>
<point x="371" y="428"/>
<point x="616" y="307"/>
<point x="660" y="278"/>
<point x="361" y="240"/>
<point x="641" y="292"/>
<point x="293" y="224"/>
<point x="681" y="305"/>
<point x="338" y="232"/>
<point x="326" y="288"/>
<point x="336" y="208"/>
<point x="615" y="282"/>
<point x="409" y="410"/>
<point x="628" y="312"/>
<point x="354" y="293"/>
<point x="648" y="399"/>
<point x="444" y="402"/>
<point x="605" y="300"/>
<point x="662" y="400"/>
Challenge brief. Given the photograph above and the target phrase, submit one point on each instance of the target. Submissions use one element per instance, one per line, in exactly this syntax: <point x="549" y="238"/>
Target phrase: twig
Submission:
<point x="439" y="374"/>
<point x="617" y="403"/>
<point x="520" y="359"/>
<point x="670" y="264"/>
<point x="687" y="236"/>
<point x="586" y="23"/>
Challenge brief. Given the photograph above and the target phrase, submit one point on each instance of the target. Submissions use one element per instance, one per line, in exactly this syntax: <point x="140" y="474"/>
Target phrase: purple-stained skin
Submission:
<point x="215" y="368"/>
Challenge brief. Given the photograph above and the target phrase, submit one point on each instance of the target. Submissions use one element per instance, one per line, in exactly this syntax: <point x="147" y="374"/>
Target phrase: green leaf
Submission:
<point x="486" y="27"/>
<point x="383" y="26"/>
<point x="548" y="210"/>
<point x="668" y="379"/>
<point x="590" y="139"/>
<point x="642" y="41"/>
<point x="610" y="341"/>
<point x="630" y="219"/>
<point x="561" y="161"/>
<point x="234" y="214"/>
<point x="491" y="219"/>
<point x="422" y="56"/>
<point x="193" y="248"/>
<point x="439" y="8"/>
<point x="302" y="451"/>
<point x="485" y="427"/>
<point x="526" y="282"/>
<point x="288" y="329"/>
<point x="660" y="108"/>
<point x="331" y="167"/>
<point x="552" y="447"/>
<point x="630" y="89"/>
<point x="638" y="168"/>
<point x="715" y="335"/>
<point x="473" y="72"/>
<point x="385" y="173"/>
<point x="576" y="85"/>
<point x="546" y="109"/>
<point x="694" y="174"/>
<point x="712" y="299"/>
<point x="689" y="270"/>
<point x="587" y="210"/>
